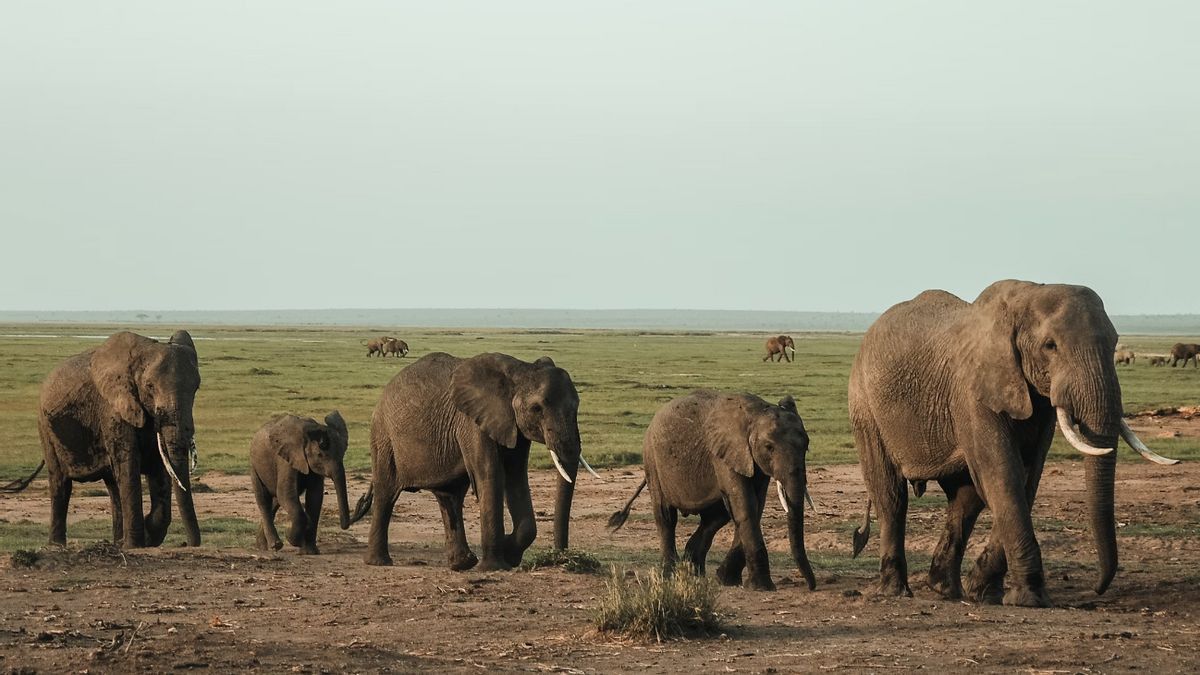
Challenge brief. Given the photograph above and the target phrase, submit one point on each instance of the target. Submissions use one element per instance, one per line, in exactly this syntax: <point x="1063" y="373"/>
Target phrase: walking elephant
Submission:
<point x="446" y="424"/>
<point x="1183" y="351"/>
<point x="715" y="454"/>
<point x="291" y="456"/>
<point x="968" y="395"/>
<point x="779" y="345"/>
<point x="375" y="345"/>
<point x="115" y="413"/>
<point x="1124" y="356"/>
<point x="395" y="347"/>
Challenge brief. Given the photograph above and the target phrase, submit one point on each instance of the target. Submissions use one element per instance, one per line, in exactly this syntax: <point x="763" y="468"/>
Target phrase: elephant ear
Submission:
<point x="289" y="439"/>
<point x="994" y="369"/>
<point x="789" y="404"/>
<point x="112" y="370"/>
<point x="182" y="338"/>
<point x="727" y="429"/>
<point x="483" y="391"/>
<point x="338" y="425"/>
<point x="544" y="362"/>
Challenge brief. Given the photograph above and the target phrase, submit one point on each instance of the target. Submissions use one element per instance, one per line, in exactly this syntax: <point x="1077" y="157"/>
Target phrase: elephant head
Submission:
<point x="787" y="343"/>
<point x="772" y="439"/>
<point x="1053" y="344"/>
<point x="318" y="448"/>
<point x="509" y="398"/>
<point x="148" y="384"/>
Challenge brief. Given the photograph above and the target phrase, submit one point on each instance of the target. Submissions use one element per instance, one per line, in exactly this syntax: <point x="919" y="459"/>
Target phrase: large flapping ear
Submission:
<point x="114" y="367"/>
<point x="992" y="364"/>
<point x="182" y="338"/>
<point x="289" y="439"/>
<point x="727" y="430"/>
<point x="789" y="404"/>
<point x="338" y="425"/>
<point x="482" y="389"/>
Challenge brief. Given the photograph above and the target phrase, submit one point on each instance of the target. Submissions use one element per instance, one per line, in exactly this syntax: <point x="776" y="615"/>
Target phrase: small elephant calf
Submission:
<point x="715" y="454"/>
<point x="291" y="455"/>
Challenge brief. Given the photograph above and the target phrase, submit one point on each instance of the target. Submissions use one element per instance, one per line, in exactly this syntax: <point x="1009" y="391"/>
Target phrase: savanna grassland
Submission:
<point x="227" y="606"/>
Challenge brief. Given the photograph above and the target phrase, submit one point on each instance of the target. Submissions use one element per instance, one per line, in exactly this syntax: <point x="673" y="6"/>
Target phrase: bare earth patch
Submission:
<point x="232" y="609"/>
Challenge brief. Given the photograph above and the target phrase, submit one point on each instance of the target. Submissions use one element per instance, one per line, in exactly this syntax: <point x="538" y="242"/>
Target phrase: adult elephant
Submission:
<point x="968" y="394"/>
<point x="446" y="424"/>
<point x="375" y="345"/>
<point x="1183" y="351"/>
<point x="115" y="413"/>
<point x="779" y="345"/>
<point x="395" y="347"/>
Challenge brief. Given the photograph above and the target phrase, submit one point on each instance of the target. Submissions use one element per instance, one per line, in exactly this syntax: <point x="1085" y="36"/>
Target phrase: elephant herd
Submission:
<point x="966" y="394"/>
<point x="1180" y="352"/>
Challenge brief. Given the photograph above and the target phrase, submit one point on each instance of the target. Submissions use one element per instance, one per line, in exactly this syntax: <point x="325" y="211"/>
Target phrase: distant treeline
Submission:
<point x="626" y="319"/>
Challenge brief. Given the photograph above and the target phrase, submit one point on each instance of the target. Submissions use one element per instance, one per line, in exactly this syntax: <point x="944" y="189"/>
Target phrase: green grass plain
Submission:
<point x="250" y="374"/>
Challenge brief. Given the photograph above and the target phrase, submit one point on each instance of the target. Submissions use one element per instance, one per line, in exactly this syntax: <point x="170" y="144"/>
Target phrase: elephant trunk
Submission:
<point x="175" y="448"/>
<point x="1099" y="474"/>
<point x="339" y="487"/>
<point x="794" y="492"/>
<point x="566" y="452"/>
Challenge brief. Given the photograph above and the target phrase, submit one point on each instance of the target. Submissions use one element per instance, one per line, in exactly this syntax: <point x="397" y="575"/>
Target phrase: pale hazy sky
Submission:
<point x="722" y="155"/>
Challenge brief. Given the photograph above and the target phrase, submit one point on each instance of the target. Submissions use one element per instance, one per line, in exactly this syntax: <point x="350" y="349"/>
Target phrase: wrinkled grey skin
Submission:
<point x="965" y="394"/>
<point x="395" y="347"/>
<point x="100" y="412"/>
<point x="292" y="456"/>
<point x="446" y="424"/>
<point x="715" y="454"/>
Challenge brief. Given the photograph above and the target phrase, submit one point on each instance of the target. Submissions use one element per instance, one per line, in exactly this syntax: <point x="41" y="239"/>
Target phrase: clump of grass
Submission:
<point x="570" y="560"/>
<point x="654" y="605"/>
<point x="24" y="557"/>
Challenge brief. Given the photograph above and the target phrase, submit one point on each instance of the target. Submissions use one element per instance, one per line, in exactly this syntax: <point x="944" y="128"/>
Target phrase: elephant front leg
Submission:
<point x="287" y="492"/>
<point x="745" y="506"/>
<point x="129" y="484"/>
<point x="159" y="518"/>
<point x="458" y="553"/>
<point x="314" y="495"/>
<point x="268" y="535"/>
<point x="114" y="498"/>
<point x="491" y="522"/>
<point x="1012" y="543"/>
<point x="520" y="507"/>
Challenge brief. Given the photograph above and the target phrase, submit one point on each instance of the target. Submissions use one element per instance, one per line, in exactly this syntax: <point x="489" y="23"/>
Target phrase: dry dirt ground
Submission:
<point x="236" y="609"/>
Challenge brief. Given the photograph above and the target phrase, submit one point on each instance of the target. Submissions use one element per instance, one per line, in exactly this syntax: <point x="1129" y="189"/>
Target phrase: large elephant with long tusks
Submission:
<point x="969" y="395"/>
<point x="448" y="424"/>
<point x="115" y="413"/>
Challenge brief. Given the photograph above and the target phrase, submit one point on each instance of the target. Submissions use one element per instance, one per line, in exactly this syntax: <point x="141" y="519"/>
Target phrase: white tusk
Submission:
<point x="588" y="467"/>
<point x="808" y="499"/>
<point x="162" y="452"/>
<point x="1137" y="444"/>
<point x="1073" y="437"/>
<point x="782" y="500"/>
<point x="558" y="465"/>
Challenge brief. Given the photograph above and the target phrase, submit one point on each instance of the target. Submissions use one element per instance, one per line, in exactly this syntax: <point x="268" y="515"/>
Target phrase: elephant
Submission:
<point x="715" y="454"/>
<point x="780" y="345"/>
<point x="395" y="347"/>
<point x="375" y="345"/>
<point x="115" y="413"/>
<point x="1158" y="360"/>
<point x="1183" y="351"/>
<point x="291" y="455"/>
<point x="1124" y="356"/>
<point x="968" y="395"/>
<point x="446" y="424"/>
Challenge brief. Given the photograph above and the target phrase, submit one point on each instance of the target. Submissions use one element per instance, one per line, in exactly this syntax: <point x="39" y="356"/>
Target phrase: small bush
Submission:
<point x="574" y="561"/>
<point x="24" y="557"/>
<point x="661" y="607"/>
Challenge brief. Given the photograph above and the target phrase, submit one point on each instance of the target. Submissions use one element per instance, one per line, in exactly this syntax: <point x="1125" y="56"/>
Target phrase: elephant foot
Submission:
<point x="893" y="586"/>
<point x="985" y="591"/>
<point x="379" y="559"/>
<point x="460" y="562"/>
<point x="728" y="577"/>
<point x="277" y="545"/>
<point x="309" y="549"/>
<point x="1027" y="597"/>
<point x="760" y="584"/>
<point x="493" y="566"/>
<point x="948" y="585"/>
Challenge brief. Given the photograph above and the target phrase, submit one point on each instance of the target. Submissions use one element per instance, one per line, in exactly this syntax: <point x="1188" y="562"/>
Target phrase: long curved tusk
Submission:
<point x="808" y="499"/>
<point x="162" y="452"/>
<point x="588" y="467"/>
<point x="558" y="465"/>
<point x="782" y="499"/>
<point x="1137" y="444"/>
<point x="1073" y="437"/>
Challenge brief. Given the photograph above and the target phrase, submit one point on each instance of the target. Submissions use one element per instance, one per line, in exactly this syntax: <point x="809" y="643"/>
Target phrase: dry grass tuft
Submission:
<point x="654" y="605"/>
<point x="570" y="560"/>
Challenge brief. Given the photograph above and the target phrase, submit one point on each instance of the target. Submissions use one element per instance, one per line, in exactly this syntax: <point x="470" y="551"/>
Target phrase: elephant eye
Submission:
<point x="1050" y="345"/>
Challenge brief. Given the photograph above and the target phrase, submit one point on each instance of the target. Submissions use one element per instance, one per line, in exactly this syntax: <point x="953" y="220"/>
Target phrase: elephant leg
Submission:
<point x="665" y="519"/>
<point x="287" y="491"/>
<point x="520" y="506"/>
<point x="458" y="552"/>
<point x="945" y="573"/>
<point x="129" y="481"/>
<point x="60" y="500"/>
<point x="746" y="509"/>
<point x="314" y="495"/>
<point x="729" y="573"/>
<point x="491" y="520"/>
<point x="712" y="520"/>
<point x="889" y="492"/>
<point x="1012" y="543"/>
<point x="386" y="493"/>
<point x="158" y="484"/>
<point x="114" y="499"/>
<point x="268" y="535"/>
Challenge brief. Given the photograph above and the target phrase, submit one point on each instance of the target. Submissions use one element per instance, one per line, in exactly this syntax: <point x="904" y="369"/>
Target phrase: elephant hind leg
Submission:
<point x="712" y="520"/>
<point x="945" y="572"/>
<point x="60" y="500"/>
<point x="665" y="519"/>
<point x="888" y="492"/>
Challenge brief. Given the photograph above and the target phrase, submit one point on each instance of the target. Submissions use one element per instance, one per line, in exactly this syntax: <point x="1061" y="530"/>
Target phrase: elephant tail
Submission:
<point x="863" y="532"/>
<point x="364" y="505"/>
<point x="22" y="483"/>
<point x="618" y="519"/>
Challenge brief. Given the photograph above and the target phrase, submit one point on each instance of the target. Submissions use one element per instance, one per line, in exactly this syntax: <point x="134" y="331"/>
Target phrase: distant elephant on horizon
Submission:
<point x="375" y="345"/>
<point x="1183" y="351"/>
<point x="780" y="344"/>
<point x="1124" y="356"/>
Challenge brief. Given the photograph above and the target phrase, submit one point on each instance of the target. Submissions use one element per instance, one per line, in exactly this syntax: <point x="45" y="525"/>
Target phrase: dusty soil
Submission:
<point x="233" y="609"/>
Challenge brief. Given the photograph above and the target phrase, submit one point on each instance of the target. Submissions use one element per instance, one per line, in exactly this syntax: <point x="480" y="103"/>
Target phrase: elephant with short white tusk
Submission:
<point x="969" y="395"/>
<point x="780" y="345"/>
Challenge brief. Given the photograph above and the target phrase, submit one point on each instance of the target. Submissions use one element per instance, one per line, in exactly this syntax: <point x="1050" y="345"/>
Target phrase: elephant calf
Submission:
<point x="291" y="455"/>
<point x="715" y="454"/>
